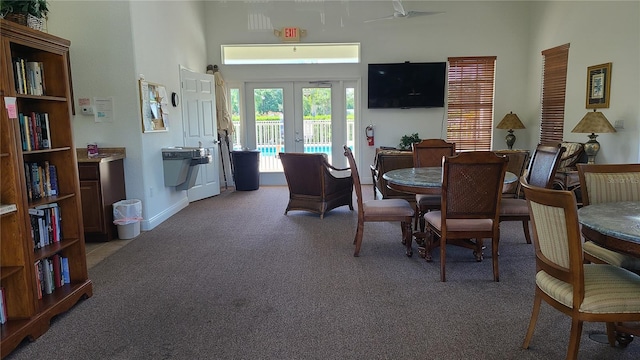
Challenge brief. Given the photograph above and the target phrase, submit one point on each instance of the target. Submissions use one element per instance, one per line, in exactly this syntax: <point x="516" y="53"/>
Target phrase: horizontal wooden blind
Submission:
<point x="470" y="102"/>
<point x="554" y="85"/>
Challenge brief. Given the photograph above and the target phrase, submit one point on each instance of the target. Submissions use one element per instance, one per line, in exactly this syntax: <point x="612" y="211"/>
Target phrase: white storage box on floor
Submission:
<point x="127" y="215"/>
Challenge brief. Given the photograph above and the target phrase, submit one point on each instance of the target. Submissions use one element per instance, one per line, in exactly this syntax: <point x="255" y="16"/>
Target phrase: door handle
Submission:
<point x="298" y="140"/>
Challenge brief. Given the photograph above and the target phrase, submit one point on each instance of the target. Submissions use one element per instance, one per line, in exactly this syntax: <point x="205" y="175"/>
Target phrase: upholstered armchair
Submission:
<point x="314" y="184"/>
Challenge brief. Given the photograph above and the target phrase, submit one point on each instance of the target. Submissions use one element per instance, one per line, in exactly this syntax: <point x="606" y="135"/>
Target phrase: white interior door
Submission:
<point x="200" y="129"/>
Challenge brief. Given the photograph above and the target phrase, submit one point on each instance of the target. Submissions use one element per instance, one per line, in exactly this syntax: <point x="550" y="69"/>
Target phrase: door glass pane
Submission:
<point x="350" y="101"/>
<point x="316" y="107"/>
<point x="269" y="127"/>
<point x="235" y="117"/>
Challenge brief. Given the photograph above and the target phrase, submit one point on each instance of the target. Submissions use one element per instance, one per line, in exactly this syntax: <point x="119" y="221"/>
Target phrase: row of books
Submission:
<point x="29" y="77"/>
<point x="51" y="273"/>
<point x="35" y="131"/>
<point x="41" y="179"/>
<point x="3" y="307"/>
<point x="46" y="225"/>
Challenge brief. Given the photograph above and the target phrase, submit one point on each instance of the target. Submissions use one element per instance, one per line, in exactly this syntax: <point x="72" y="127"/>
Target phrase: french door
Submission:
<point x="301" y="116"/>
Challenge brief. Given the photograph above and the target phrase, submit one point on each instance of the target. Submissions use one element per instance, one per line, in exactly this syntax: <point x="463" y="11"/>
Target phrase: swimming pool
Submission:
<point x="273" y="150"/>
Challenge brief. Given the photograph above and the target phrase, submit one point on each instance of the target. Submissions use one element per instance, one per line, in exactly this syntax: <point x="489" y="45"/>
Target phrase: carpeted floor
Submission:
<point x="231" y="277"/>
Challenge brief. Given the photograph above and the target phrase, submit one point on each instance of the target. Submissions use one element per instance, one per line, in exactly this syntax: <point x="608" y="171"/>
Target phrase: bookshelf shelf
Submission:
<point x="44" y="274"/>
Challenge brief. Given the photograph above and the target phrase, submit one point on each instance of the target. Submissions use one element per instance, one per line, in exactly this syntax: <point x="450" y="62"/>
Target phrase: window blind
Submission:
<point x="470" y="102"/>
<point x="554" y="83"/>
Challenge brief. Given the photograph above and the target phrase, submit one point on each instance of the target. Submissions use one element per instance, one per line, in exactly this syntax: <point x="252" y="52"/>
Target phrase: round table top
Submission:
<point x="427" y="177"/>
<point x="617" y="219"/>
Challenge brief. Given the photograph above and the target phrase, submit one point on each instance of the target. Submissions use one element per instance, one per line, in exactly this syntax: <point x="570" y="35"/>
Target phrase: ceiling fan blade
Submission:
<point x="382" y="18"/>
<point x="422" y="13"/>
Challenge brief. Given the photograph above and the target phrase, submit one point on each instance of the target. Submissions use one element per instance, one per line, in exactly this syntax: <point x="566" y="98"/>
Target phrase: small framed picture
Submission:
<point x="598" y="86"/>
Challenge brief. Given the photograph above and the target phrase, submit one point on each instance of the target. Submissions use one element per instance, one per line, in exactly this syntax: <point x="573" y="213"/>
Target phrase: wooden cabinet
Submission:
<point x="101" y="185"/>
<point x="23" y="256"/>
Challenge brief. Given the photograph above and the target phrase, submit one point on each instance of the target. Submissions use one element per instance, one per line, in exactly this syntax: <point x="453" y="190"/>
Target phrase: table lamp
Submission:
<point x="510" y="121"/>
<point x="593" y="122"/>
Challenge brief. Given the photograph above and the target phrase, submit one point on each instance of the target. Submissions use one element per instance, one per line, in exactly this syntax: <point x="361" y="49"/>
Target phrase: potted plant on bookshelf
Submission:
<point x="31" y="13"/>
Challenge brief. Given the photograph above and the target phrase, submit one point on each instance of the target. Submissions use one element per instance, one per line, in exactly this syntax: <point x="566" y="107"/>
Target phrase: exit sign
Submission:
<point x="290" y="34"/>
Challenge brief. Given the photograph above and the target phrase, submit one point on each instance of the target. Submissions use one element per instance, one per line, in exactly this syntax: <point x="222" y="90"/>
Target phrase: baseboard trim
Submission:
<point x="148" y="224"/>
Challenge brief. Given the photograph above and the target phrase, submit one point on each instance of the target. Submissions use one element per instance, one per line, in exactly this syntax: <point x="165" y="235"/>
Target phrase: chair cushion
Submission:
<point x="434" y="218"/>
<point x="515" y="207"/>
<point x="607" y="289"/>
<point x="398" y="207"/>
<point x="428" y="200"/>
<point x="611" y="257"/>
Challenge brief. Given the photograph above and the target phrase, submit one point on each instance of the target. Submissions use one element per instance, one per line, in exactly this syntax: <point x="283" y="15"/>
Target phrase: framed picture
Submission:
<point x="598" y="86"/>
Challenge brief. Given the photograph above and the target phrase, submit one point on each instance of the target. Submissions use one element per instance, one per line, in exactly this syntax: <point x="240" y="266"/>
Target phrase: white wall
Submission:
<point x="464" y="29"/>
<point x="598" y="32"/>
<point x="112" y="43"/>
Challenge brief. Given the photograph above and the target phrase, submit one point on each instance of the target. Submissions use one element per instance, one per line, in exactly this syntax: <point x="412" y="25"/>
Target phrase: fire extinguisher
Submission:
<point x="369" y="132"/>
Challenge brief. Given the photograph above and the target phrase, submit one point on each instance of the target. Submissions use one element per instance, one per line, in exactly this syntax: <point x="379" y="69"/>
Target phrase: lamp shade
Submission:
<point x="594" y="122"/>
<point x="510" y="121"/>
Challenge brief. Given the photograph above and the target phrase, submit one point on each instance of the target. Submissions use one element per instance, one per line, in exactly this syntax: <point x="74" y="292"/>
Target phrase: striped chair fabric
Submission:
<point x="604" y="187"/>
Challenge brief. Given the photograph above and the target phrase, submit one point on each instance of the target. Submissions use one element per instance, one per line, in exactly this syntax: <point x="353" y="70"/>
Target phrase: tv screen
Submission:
<point x="406" y="85"/>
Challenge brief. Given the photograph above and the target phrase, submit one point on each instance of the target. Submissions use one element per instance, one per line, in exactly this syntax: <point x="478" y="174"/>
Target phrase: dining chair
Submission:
<point x="314" y="184"/>
<point x="541" y="172"/>
<point x="600" y="183"/>
<point x="518" y="160"/>
<point x="471" y="191"/>
<point x="585" y="292"/>
<point x="379" y="210"/>
<point x="429" y="153"/>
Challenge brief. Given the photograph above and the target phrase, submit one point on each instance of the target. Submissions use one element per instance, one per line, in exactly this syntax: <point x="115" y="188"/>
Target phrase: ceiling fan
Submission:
<point x="400" y="13"/>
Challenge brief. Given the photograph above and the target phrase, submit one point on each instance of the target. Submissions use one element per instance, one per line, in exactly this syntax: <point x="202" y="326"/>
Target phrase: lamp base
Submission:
<point x="591" y="148"/>
<point x="510" y="139"/>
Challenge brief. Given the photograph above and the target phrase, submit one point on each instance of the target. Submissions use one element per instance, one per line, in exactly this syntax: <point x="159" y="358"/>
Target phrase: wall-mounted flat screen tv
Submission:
<point x="406" y="85"/>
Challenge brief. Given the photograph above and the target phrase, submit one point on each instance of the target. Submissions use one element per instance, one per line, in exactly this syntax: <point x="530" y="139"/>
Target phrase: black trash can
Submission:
<point x="246" y="169"/>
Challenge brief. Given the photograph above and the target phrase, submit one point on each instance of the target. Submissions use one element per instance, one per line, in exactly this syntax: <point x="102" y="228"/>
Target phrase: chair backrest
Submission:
<point x="544" y="164"/>
<point x="609" y="182"/>
<point x="556" y="234"/>
<point x="429" y="152"/>
<point x="355" y="176"/>
<point x="573" y="154"/>
<point x="303" y="172"/>
<point x="472" y="185"/>
<point x="516" y="165"/>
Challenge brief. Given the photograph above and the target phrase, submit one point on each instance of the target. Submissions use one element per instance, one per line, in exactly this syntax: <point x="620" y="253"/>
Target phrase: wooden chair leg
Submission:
<point x="574" y="339"/>
<point x="525" y="227"/>
<point x="358" y="239"/>
<point x="407" y="237"/>
<point x="494" y="255"/>
<point x="443" y="256"/>
<point x="532" y="323"/>
<point x="611" y="334"/>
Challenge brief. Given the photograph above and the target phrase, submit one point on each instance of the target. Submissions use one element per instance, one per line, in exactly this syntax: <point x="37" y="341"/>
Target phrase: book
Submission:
<point x="57" y="271"/>
<point x="38" y="272"/>
<point x="65" y="270"/>
<point x="53" y="179"/>
<point x="3" y="307"/>
<point x="7" y="208"/>
<point x="46" y="132"/>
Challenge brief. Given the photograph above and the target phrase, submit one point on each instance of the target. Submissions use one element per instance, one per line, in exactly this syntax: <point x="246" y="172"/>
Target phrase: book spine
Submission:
<point x="53" y="180"/>
<point x="65" y="271"/>
<point x="46" y="132"/>
<point x="39" y="278"/>
<point x="3" y="307"/>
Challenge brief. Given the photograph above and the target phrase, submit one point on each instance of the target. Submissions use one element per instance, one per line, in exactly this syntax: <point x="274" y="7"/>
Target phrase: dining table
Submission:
<point x="615" y="226"/>
<point x="425" y="180"/>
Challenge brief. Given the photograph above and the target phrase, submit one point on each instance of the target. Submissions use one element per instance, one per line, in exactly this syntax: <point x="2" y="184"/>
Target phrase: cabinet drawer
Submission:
<point x="88" y="172"/>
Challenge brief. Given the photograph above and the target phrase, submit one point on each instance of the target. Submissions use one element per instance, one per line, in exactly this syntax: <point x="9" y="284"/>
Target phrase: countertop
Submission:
<point x="104" y="155"/>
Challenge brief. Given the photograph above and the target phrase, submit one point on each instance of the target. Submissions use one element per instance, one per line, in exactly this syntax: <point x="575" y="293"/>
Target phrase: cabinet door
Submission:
<point x="91" y="206"/>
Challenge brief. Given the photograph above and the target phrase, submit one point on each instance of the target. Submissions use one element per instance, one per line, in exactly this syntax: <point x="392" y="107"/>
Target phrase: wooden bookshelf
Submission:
<point x="28" y="315"/>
